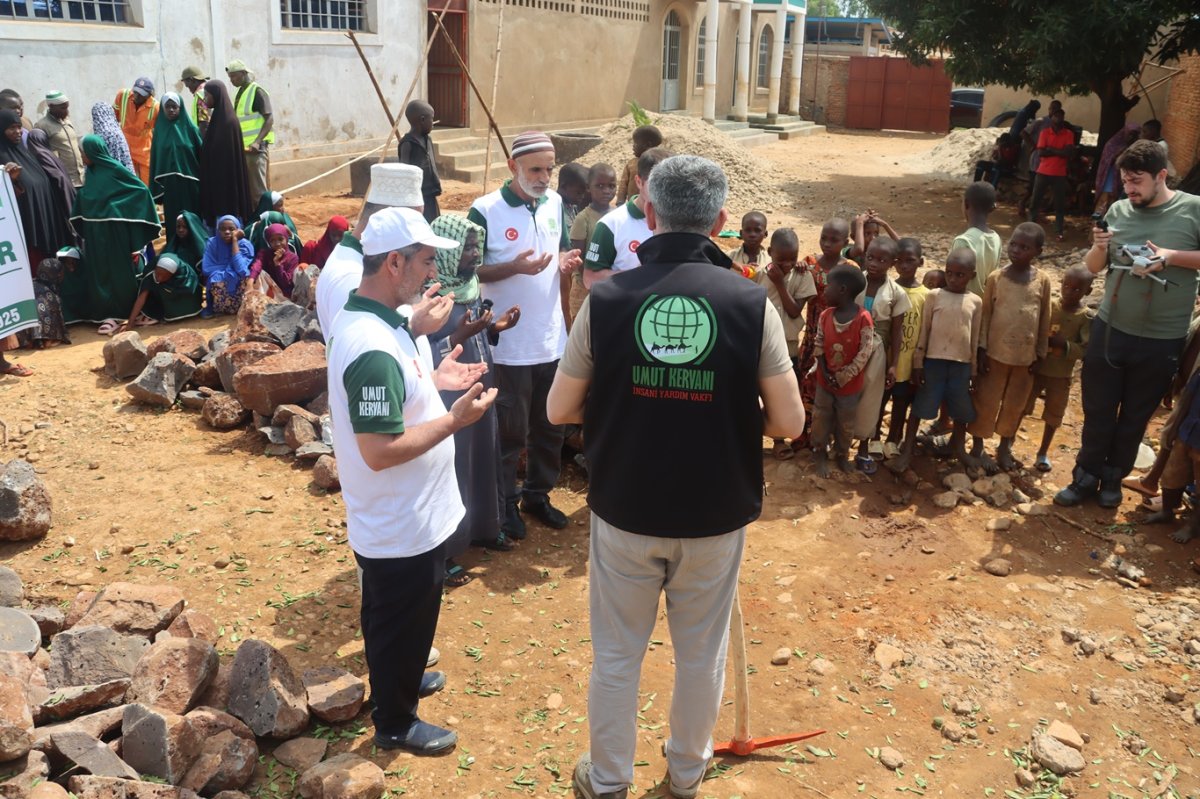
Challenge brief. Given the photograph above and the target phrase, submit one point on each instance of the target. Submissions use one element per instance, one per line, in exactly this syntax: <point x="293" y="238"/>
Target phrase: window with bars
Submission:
<point x="111" y="12"/>
<point x="701" y="47"/>
<point x="764" y="58"/>
<point x="321" y="15"/>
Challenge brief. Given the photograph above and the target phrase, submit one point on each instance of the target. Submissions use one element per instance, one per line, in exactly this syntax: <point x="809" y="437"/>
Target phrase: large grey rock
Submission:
<point x="304" y="285"/>
<point x="16" y="720"/>
<point x="218" y="343"/>
<point x="24" y="503"/>
<point x="135" y="608"/>
<point x="125" y="355"/>
<point x="192" y="400"/>
<point x="163" y="378"/>
<point x="18" y="632"/>
<point x="281" y="320"/>
<point x="90" y="655"/>
<point x="313" y="450"/>
<point x="91" y="754"/>
<point x="50" y="619"/>
<point x="265" y="693"/>
<point x="309" y="328"/>
<point x="86" y="786"/>
<point x="12" y="590"/>
<point x="101" y="724"/>
<point x="159" y="743"/>
<point x="173" y="674"/>
<point x="345" y="776"/>
<point x="66" y="703"/>
<point x="1056" y="756"/>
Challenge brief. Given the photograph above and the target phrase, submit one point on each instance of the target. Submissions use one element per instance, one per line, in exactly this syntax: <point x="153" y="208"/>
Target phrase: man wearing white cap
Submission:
<point x="527" y="238"/>
<point x="395" y="445"/>
<point x="136" y="111"/>
<point x="64" y="141"/>
<point x="253" y="108"/>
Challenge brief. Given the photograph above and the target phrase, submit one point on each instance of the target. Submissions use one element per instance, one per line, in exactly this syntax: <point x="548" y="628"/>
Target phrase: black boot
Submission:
<point x="1110" y="495"/>
<point x="1172" y="499"/>
<point x="512" y="525"/>
<point x="1083" y="485"/>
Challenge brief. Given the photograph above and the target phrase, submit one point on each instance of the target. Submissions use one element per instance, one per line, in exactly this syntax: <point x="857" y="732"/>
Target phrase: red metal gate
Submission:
<point x="894" y="94"/>
<point x="446" y="79"/>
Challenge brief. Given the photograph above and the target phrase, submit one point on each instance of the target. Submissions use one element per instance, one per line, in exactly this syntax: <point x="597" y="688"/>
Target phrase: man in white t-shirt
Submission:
<point x="622" y="230"/>
<point x="395" y="445"/>
<point x="527" y="247"/>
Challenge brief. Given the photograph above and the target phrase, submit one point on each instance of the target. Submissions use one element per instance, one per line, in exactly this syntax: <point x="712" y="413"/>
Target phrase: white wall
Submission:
<point x="323" y="101"/>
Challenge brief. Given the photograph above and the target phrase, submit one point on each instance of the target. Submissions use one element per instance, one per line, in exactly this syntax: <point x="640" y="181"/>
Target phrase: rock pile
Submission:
<point x="130" y="689"/>
<point x="270" y="370"/>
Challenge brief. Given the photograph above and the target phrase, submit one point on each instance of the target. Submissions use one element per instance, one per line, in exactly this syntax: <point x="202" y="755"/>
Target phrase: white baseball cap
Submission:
<point x="395" y="228"/>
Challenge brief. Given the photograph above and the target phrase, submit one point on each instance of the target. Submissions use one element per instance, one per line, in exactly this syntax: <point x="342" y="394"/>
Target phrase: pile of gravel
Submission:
<point x="751" y="184"/>
<point x="954" y="156"/>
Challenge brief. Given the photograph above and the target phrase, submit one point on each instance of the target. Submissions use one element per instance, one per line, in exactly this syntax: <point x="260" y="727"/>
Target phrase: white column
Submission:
<point x="773" y="88"/>
<point x="741" y="101"/>
<point x="710" y="62"/>
<point x="797" y="63"/>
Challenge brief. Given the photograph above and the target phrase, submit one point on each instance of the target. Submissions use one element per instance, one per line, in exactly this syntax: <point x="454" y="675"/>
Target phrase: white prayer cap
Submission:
<point x="396" y="185"/>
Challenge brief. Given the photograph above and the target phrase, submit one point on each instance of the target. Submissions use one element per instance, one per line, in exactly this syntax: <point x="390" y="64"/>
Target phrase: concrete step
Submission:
<point x="474" y="174"/>
<point x="752" y="137"/>
<point x="730" y="125"/>
<point x="800" y="132"/>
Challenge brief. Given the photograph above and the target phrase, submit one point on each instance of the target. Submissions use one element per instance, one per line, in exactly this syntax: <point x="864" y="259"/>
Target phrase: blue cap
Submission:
<point x="144" y="87"/>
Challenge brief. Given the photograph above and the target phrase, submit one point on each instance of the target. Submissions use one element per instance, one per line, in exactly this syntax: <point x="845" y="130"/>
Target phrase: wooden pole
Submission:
<point x="741" y="683"/>
<point x="371" y="74"/>
<point x="487" y="158"/>
<point x="478" y="94"/>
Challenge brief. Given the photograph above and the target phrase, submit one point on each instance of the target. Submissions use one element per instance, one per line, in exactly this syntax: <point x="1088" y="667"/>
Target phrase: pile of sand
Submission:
<point x="954" y="156"/>
<point x="751" y="184"/>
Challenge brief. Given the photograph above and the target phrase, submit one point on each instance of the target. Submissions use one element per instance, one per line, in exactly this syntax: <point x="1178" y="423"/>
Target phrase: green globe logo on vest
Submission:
<point x="679" y="333"/>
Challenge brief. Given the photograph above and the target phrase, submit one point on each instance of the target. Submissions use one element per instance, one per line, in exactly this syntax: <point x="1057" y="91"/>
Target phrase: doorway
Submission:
<point x="672" y="40"/>
<point x="446" y="80"/>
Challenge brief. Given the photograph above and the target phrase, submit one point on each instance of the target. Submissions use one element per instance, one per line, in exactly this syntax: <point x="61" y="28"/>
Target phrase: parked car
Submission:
<point x="966" y="108"/>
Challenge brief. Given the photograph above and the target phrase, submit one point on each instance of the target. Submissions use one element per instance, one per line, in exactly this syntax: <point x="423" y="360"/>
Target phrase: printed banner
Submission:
<point x="17" y="308"/>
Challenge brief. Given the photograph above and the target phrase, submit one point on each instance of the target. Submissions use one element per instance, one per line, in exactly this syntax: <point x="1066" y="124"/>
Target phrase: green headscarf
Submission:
<point x="257" y="232"/>
<point x="465" y="288"/>
<point x="175" y="149"/>
<point x="111" y="193"/>
<point x="191" y="249"/>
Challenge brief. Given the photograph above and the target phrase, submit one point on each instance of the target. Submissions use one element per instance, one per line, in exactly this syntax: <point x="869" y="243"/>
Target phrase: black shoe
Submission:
<point x="420" y="739"/>
<point x="513" y="525"/>
<point x="431" y="683"/>
<point x="1083" y="485"/>
<point x="501" y="543"/>
<point x="1110" y="495"/>
<point x="545" y="513"/>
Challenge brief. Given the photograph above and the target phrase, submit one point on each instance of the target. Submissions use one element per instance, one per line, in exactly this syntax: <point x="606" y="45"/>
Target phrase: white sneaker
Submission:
<point x="434" y="657"/>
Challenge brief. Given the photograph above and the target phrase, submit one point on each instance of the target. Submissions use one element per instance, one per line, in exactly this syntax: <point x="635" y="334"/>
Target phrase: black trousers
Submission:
<point x="401" y="599"/>
<point x="521" y="412"/>
<point x="1124" y="378"/>
<point x="1058" y="188"/>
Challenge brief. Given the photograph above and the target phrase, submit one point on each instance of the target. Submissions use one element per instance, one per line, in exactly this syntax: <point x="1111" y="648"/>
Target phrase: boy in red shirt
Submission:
<point x="845" y="337"/>
<point x="1055" y="146"/>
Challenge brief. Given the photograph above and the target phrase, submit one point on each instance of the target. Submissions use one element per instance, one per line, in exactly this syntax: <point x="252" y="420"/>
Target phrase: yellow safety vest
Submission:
<point x="126" y="95"/>
<point x="251" y="122"/>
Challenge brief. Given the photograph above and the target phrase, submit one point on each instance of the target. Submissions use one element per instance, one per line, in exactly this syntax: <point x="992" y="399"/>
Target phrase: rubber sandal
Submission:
<point x="1135" y="484"/>
<point x="866" y="464"/>
<point x="108" y="327"/>
<point x="457" y="576"/>
<point x="875" y="450"/>
<point x="783" y="451"/>
<point x="144" y="321"/>
<point x="501" y="543"/>
<point x="890" y="450"/>
<point x="1042" y="464"/>
<point x="18" y="370"/>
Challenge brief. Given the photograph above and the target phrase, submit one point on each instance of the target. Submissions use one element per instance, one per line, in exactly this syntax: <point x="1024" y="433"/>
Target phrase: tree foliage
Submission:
<point x="1077" y="47"/>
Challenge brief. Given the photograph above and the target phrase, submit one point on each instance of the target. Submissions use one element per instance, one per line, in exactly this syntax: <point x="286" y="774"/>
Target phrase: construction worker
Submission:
<point x="253" y="108"/>
<point x="194" y="78"/>
<point x="136" y="110"/>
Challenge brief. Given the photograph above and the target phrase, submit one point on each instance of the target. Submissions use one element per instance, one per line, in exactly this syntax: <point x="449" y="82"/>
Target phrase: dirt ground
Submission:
<point x="832" y="570"/>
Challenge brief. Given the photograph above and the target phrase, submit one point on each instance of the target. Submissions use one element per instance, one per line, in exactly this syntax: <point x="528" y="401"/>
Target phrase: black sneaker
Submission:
<point x="1083" y="485"/>
<point x="420" y="739"/>
<point x="545" y="513"/>
<point x="1109" y="495"/>
<point x="513" y="525"/>
<point x="431" y="683"/>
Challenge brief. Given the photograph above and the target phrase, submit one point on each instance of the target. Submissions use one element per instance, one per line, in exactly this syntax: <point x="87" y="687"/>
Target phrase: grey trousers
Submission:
<point x="258" y="167"/>
<point x="628" y="572"/>
<point x="833" y="420"/>
<point x="521" y="413"/>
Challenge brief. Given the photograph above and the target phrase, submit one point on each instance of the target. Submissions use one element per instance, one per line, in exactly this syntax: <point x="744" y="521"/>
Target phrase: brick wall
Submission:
<point x="1181" y="121"/>
<point x="823" y="84"/>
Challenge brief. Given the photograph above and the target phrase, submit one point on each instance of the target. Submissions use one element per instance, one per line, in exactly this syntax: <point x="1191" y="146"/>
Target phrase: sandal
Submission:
<point x="144" y="321"/>
<point x="875" y="450"/>
<point x="17" y="370"/>
<point x="782" y="450"/>
<point x="866" y="464"/>
<point x="501" y="543"/>
<point x="1042" y="464"/>
<point x="890" y="450"/>
<point x="1135" y="484"/>
<point x="108" y="327"/>
<point x="456" y="576"/>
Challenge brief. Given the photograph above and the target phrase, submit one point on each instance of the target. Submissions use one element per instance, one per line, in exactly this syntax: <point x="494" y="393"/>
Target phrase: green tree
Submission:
<point x="1077" y="47"/>
<point x="824" y="8"/>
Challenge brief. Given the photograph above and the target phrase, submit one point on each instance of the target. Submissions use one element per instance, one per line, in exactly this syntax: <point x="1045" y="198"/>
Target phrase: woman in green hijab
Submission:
<point x="175" y="159"/>
<point x="476" y="450"/>
<point x="115" y="217"/>
<point x="187" y="238"/>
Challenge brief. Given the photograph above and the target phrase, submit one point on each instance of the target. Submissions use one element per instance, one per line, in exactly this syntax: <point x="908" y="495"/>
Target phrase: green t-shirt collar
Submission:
<point x="367" y="305"/>
<point x="351" y="241"/>
<point x="513" y="199"/>
<point x="634" y="211"/>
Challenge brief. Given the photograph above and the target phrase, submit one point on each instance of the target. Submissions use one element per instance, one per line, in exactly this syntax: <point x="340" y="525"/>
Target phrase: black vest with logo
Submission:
<point x="672" y="425"/>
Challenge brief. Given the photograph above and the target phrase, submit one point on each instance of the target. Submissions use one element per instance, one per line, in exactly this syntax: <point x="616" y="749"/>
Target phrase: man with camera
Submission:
<point x="1150" y="245"/>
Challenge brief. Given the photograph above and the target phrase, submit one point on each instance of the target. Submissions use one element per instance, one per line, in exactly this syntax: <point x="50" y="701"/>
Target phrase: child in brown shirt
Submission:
<point x="644" y="138"/>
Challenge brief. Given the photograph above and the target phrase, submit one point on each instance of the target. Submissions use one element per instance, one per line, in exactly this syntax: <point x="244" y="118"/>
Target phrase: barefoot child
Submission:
<point x="867" y="228"/>
<point x="644" y="138"/>
<point x="789" y="289"/>
<point x="750" y="258"/>
<point x="909" y="258"/>
<point x="1013" y="340"/>
<point x="1069" y="324"/>
<point x="887" y="303"/>
<point x="845" y="338"/>
<point x="944" y="361"/>
<point x="979" y="200"/>
<point x="602" y="187"/>
<point x="834" y="235"/>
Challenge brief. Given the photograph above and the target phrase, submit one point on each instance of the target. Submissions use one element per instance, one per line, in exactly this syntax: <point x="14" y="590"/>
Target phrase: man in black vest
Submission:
<point x="677" y="352"/>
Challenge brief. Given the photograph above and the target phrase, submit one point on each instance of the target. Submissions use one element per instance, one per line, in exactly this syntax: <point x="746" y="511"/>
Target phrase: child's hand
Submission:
<point x="278" y="256"/>
<point x="775" y="273"/>
<point x="1033" y="367"/>
<point x="891" y="378"/>
<point x="918" y="377"/>
<point x="1057" y="342"/>
<point x="982" y="361"/>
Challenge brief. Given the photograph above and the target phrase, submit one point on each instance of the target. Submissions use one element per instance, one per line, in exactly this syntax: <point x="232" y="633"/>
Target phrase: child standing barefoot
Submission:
<point x="909" y="259"/>
<point x="944" y="360"/>
<point x="844" y="340"/>
<point x="751" y="258"/>
<point x="1012" y="343"/>
<point x="1069" y="325"/>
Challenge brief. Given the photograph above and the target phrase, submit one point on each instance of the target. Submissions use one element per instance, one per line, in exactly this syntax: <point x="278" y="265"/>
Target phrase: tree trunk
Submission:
<point x="1114" y="105"/>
